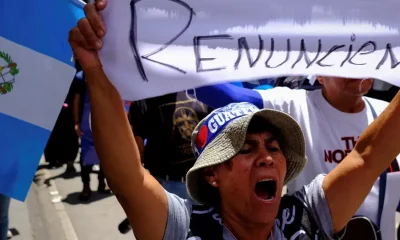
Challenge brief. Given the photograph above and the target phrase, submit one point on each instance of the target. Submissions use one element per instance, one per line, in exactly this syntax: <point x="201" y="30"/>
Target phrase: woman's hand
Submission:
<point x="86" y="38"/>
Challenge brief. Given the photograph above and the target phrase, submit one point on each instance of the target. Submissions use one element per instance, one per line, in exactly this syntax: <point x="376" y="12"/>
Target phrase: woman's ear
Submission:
<point x="210" y="176"/>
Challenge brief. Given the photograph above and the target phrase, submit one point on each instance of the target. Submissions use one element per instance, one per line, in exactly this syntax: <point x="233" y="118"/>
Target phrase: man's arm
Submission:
<point x="354" y="177"/>
<point x="141" y="196"/>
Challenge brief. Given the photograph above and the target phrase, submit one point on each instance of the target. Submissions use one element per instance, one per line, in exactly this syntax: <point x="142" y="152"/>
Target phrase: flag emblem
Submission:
<point x="8" y="71"/>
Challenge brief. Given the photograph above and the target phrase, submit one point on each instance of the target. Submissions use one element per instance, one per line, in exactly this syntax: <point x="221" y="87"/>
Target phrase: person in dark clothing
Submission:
<point x="63" y="144"/>
<point x="167" y="123"/>
<point x="88" y="156"/>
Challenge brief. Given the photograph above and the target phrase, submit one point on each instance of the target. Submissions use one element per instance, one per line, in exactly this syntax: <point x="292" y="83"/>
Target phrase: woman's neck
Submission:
<point x="241" y="229"/>
<point x="345" y="103"/>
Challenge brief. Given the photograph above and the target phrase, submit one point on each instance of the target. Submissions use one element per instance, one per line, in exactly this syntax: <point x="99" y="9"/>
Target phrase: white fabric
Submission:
<point x="171" y="46"/>
<point x="330" y="131"/>
<point x="39" y="106"/>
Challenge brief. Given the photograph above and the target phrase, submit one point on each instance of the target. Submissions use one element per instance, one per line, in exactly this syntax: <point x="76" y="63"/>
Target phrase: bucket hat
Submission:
<point x="219" y="137"/>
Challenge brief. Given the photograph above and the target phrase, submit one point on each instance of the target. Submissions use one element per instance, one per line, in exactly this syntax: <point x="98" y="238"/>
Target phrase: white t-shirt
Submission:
<point x="330" y="135"/>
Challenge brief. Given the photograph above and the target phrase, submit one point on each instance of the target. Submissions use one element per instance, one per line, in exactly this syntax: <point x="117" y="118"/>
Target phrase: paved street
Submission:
<point x="52" y="211"/>
<point x="96" y="220"/>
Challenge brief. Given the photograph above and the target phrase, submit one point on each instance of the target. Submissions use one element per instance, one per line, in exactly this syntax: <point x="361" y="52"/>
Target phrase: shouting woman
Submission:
<point x="244" y="158"/>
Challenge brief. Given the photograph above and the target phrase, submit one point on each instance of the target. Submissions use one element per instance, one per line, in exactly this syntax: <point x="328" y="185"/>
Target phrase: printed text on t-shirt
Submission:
<point x="337" y="155"/>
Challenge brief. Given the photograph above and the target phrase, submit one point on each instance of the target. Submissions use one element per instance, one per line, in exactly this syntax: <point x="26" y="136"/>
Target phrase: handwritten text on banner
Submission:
<point x="154" y="47"/>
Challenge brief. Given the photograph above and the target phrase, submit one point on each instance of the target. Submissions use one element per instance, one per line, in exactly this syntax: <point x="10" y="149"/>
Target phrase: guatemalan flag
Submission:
<point x="35" y="74"/>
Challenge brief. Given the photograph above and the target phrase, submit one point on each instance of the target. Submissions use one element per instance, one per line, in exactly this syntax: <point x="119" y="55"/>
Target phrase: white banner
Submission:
<point x="154" y="47"/>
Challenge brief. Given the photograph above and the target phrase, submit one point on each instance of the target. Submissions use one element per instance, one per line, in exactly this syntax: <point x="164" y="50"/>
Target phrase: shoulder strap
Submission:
<point x="382" y="178"/>
<point x="205" y="223"/>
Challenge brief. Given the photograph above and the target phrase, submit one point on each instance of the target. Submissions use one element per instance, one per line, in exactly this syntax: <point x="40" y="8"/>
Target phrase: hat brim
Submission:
<point x="228" y="143"/>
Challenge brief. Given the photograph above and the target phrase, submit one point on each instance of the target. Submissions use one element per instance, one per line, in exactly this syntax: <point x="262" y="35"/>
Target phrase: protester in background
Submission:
<point x="88" y="156"/>
<point x="332" y="119"/>
<point x="4" y="209"/>
<point x="63" y="144"/>
<point x="167" y="122"/>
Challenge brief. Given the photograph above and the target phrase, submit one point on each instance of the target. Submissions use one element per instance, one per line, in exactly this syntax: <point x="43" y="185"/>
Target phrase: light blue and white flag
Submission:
<point x="35" y="74"/>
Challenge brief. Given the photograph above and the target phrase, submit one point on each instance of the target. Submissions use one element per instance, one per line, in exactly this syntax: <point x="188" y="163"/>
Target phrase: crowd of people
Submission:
<point x="211" y="163"/>
<point x="251" y="144"/>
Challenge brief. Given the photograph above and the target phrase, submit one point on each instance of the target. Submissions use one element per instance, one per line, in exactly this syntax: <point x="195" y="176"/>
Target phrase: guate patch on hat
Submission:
<point x="217" y="121"/>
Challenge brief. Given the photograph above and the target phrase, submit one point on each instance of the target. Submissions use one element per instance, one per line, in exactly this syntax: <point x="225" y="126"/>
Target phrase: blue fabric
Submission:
<point x="88" y="152"/>
<point x="4" y="208"/>
<point x="45" y="25"/>
<point x="220" y="95"/>
<point x="239" y="84"/>
<point x="258" y="83"/>
<point x="22" y="145"/>
<point x="264" y="87"/>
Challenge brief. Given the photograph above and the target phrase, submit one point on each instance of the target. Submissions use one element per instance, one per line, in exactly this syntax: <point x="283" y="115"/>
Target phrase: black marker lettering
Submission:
<point x="334" y="48"/>
<point x="352" y="38"/>
<point x="133" y="39"/>
<point x="363" y="53"/>
<point x="303" y="53"/>
<point x="242" y="44"/>
<point x="272" y="52"/>
<point x="348" y="55"/>
<point x="393" y="58"/>
<point x="196" y="48"/>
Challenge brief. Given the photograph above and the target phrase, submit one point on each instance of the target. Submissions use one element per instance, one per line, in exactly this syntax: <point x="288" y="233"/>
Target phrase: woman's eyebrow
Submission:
<point x="268" y="140"/>
<point x="271" y="139"/>
<point x="251" y="141"/>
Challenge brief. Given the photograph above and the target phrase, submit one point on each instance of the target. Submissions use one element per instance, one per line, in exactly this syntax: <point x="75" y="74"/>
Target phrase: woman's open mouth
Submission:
<point x="266" y="189"/>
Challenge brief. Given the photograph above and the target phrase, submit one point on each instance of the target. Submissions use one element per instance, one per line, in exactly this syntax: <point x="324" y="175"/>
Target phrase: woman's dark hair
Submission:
<point x="259" y="124"/>
<point x="213" y="193"/>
